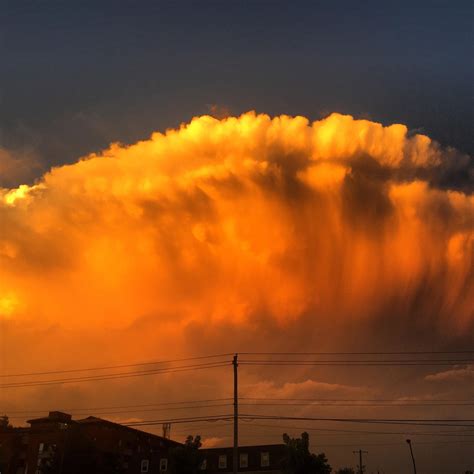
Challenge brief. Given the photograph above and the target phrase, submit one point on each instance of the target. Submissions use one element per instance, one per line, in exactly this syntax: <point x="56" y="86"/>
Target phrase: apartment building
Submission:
<point x="58" y="444"/>
<point x="261" y="459"/>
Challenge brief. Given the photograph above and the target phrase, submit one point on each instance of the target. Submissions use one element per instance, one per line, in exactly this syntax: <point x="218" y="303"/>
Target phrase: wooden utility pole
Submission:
<point x="235" y="460"/>
<point x="361" y="466"/>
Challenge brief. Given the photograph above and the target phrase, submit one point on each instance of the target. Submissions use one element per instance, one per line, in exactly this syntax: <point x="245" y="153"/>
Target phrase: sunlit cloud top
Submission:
<point x="241" y="220"/>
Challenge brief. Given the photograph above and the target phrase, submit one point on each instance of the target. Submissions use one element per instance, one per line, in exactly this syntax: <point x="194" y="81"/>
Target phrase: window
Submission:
<point x="145" y="465"/>
<point x="41" y="448"/>
<point x="203" y="465"/>
<point x="222" y="461"/>
<point x="244" y="460"/>
<point x="163" y="465"/>
<point x="265" y="459"/>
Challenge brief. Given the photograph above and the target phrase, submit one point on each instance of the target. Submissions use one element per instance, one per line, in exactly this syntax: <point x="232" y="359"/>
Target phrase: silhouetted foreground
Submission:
<point x="252" y="459"/>
<point x="57" y="444"/>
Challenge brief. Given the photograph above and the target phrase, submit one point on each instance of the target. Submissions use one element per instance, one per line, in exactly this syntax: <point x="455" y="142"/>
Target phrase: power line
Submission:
<point x="146" y="410"/>
<point x="181" y="420"/>
<point x="123" y="366"/>
<point x="117" y="407"/>
<point x="335" y="431"/>
<point x="395" y="421"/>
<point x="416" y="422"/>
<point x="351" y="363"/>
<point x="360" y="353"/>
<point x="358" y="399"/>
<point x="275" y="362"/>
<point x="114" y="376"/>
<point x="468" y="402"/>
<point x="227" y="354"/>
<point x="394" y="405"/>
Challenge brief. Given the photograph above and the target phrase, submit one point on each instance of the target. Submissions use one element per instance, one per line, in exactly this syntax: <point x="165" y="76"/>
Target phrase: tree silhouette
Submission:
<point x="5" y="423"/>
<point x="299" y="460"/>
<point x="186" y="459"/>
<point x="345" y="470"/>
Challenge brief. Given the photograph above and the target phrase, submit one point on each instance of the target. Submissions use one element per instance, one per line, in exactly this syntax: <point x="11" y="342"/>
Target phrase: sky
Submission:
<point x="192" y="178"/>
<point x="77" y="76"/>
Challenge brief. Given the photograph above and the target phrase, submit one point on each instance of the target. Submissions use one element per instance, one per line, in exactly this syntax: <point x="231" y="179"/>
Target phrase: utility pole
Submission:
<point x="235" y="460"/>
<point x="412" y="456"/>
<point x="361" y="466"/>
<point x="166" y="430"/>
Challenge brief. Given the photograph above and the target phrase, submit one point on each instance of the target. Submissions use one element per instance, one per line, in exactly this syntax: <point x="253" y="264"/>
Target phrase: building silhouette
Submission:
<point x="58" y="444"/>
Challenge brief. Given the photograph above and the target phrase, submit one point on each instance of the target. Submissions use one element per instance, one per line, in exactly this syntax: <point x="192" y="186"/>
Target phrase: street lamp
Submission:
<point x="412" y="457"/>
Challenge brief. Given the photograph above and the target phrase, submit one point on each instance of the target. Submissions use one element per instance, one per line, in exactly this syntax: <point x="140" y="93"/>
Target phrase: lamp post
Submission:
<point x="412" y="456"/>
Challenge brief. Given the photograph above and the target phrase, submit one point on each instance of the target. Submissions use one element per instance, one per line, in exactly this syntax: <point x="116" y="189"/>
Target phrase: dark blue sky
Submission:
<point x="76" y="75"/>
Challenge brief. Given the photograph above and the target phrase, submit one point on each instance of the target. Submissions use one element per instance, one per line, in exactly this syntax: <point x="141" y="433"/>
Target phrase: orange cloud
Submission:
<point x="228" y="220"/>
<point x="306" y="388"/>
